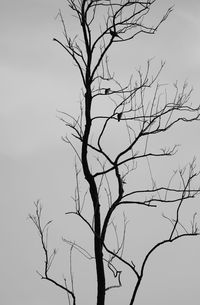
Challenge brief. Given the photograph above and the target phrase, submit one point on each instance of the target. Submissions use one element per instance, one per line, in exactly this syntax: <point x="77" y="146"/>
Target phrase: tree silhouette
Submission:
<point x="111" y="139"/>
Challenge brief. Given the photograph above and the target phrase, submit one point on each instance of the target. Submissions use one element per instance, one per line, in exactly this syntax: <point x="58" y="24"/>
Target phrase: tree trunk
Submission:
<point x="96" y="206"/>
<point x="99" y="262"/>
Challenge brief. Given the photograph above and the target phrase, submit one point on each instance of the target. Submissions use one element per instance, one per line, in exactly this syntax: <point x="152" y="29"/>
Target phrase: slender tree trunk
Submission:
<point x="99" y="260"/>
<point x="96" y="206"/>
<point x="98" y="245"/>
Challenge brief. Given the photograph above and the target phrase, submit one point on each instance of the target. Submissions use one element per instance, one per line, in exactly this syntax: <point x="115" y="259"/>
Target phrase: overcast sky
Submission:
<point x="37" y="78"/>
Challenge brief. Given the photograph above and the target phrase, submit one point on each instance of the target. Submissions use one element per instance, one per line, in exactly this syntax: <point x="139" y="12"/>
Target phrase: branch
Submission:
<point x="43" y="231"/>
<point x="148" y="255"/>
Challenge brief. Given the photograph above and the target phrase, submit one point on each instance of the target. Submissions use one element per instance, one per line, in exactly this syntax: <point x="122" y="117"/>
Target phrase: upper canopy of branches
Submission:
<point x="104" y="23"/>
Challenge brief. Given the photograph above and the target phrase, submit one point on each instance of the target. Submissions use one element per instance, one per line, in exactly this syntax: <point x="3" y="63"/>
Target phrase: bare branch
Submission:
<point x="48" y="258"/>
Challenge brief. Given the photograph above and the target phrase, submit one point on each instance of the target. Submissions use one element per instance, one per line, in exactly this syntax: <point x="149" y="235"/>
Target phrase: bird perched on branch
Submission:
<point x="107" y="90"/>
<point x="119" y="115"/>
<point x="114" y="33"/>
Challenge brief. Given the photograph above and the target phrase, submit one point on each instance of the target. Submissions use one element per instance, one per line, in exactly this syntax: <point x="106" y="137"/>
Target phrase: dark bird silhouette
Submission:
<point x="114" y="33"/>
<point x="107" y="90"/>
<point x="119" y="115"/>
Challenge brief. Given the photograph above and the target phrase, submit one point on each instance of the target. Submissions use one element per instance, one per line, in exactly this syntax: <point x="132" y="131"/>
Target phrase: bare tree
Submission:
<point x="142" y="110"/>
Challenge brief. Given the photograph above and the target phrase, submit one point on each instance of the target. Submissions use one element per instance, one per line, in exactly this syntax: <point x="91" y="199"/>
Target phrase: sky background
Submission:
<point x="38" y="78"/>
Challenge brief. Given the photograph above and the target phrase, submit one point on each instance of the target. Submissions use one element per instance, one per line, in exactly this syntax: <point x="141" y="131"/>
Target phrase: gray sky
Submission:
<point x="37" y="78"/>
